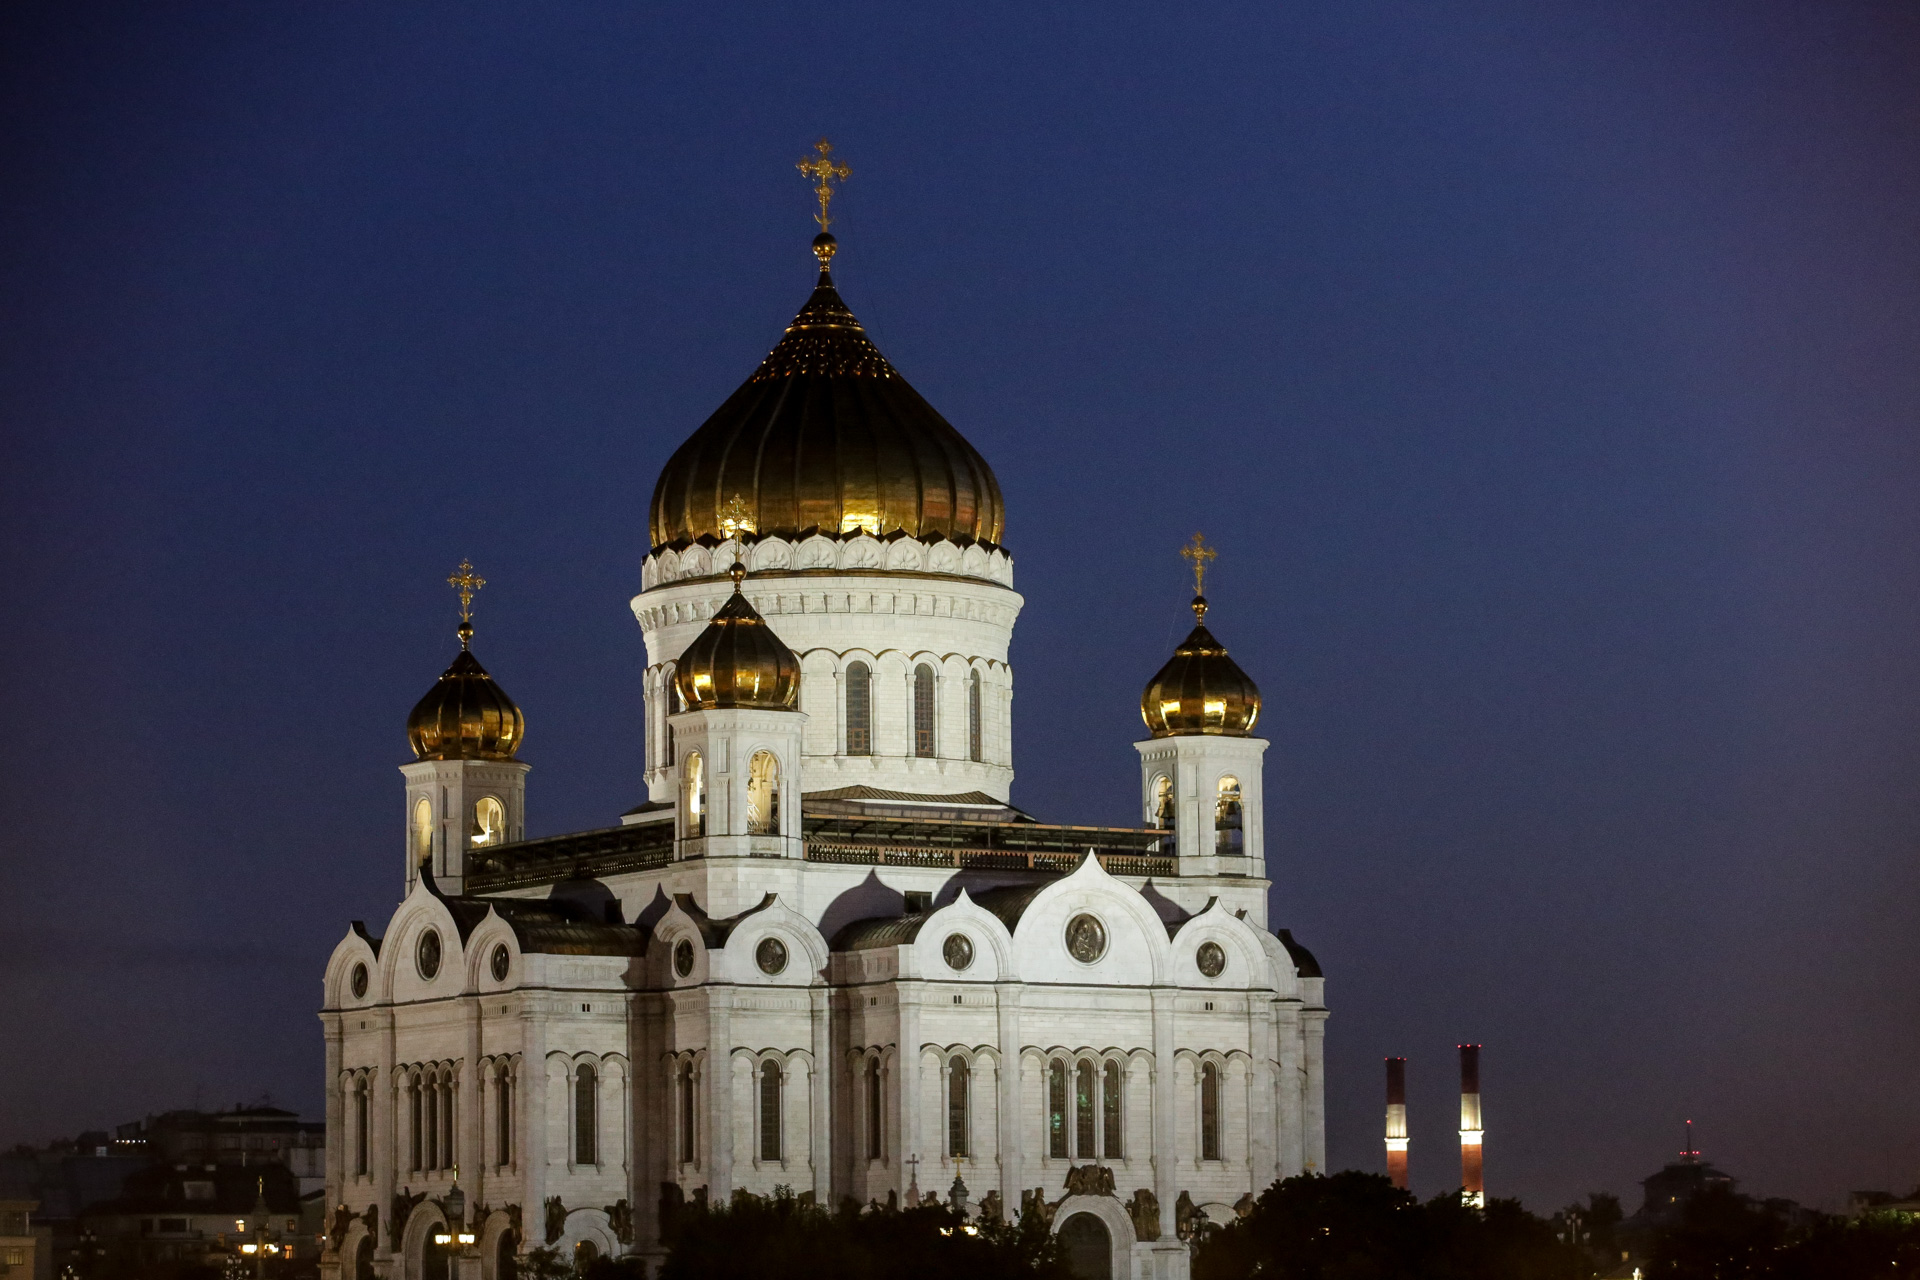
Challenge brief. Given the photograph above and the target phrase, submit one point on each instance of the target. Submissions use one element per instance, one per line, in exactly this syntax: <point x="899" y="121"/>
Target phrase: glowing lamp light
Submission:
<point x="249" y="1248"/>
<point x="466" y="1237"/>
<point x="441" y="1237"/>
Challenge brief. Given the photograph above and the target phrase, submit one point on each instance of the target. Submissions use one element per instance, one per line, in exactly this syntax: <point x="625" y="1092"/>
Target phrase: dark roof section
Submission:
<point x="716" y="932"/>
<point x="551" y="926"/>
<point x="882" y="931"/>
<point x="1303" y="960"/>
<point x="360" y="927"/>
<point x="1011" y="902"/>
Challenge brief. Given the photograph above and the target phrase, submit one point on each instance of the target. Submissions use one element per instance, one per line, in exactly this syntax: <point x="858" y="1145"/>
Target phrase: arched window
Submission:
<point x="769" y="1111"/>
<point x="489" y="822"/>
<point x="875" y="1133"/>
<point x="431" y="1125"/>
<point x="586" y="1115"/>
<point x="448" y="1157"/>
<point x="503" y="1116"/>
<point x="686" y="1113"/>
<point x="1057" y="1109"/>
<point x="415" y="1117"/>
<point x="1113" y="1094"/>
<point x="763" y="795"/>
<point x="1209" y="1111"/>
<point x="973" y="717"/>
<point x="923" y="711"/>
<point x="859" y="709"/>
<point x="1083" y="1116"/>
<point x="422" y="830"/>
<point x="1227" y="839"/>
<point x="1164" y="809"/>
<point x="360" y="1127"/>
<point x="958" y="1080"/>
<point x="693" y="790"/>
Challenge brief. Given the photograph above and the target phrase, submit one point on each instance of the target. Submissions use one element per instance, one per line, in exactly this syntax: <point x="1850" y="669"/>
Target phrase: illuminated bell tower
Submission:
<point x="737" y="752"/>
<point x="464" y="788"/>
<point x="1200" y="771"/>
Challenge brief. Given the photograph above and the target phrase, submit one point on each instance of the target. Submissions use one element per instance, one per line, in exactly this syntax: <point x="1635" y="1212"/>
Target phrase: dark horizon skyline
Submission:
<point x="1546" y="380"/>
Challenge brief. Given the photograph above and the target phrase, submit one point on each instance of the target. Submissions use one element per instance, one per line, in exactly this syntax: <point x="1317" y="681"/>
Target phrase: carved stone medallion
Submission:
<point x="957" y="950"/>
<point x="770" y="955"/>
<point x="1086" y="938"/>
<point x="1211" y="959"/>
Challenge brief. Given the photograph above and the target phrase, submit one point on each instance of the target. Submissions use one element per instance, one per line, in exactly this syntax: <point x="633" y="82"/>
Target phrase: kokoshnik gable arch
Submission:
<point x="826" y="951"/>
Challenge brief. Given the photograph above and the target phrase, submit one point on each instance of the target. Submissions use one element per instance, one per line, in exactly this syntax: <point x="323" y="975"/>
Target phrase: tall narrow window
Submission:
<point x="422" y="830"/>
<point x="769" y="1111"/>
<point x="489" y="822"/>
<point x="1083" y="1117"/>
<point x="586" y="1115"/>
<point x="958" y="1080"/>
<point x="431" y="1122"/>
<point x="763" y="795"/>
<point x="360" y="1126"/>
<point x="1164" y="810"/>
<point x="503" y="1117"/>
<point x="923" y="711"/>
<point x="693" y="788"/>
<point x="1227" y="839"/>
<point x="973" y="716"/>
<point x="859" y="709"/>
<point x="1057" y="1109"/>
<point x="417" y="1155"/>
<point x="448" y="1157"/>
<point x="1209" y="1111"/>
<point x="686" y="1113"/>
<point x="875" y="1144"/>
<point x="1113" y="1096"/>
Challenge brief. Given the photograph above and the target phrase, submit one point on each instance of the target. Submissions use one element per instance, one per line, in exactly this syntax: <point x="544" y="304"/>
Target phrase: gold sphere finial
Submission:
<point x="738" y="573"/>
<point x="1199" y="608"/>
<point x="824" y="247"/>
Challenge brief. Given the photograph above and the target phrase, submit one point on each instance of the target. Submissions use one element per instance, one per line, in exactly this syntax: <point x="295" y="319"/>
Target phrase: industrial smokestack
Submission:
<point x="1473" y="1190"/>
<point x="1397" y="1121"/>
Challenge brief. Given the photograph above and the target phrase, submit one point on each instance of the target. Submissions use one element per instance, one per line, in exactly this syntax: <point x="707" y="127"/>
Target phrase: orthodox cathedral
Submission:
<point x="827" y="953"/>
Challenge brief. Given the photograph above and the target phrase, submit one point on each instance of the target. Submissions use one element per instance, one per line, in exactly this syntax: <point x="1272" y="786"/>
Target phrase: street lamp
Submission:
<point x="456" y="1206"/>
<point x="264" y="1240"/>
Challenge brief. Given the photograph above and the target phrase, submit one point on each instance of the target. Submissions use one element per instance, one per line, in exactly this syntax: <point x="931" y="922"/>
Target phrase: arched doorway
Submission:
<point x="505" y="1265"/>
<point x="433" y="1261"/>
<point x="363" y="1259"/>
<point x="1087" y="1247"/>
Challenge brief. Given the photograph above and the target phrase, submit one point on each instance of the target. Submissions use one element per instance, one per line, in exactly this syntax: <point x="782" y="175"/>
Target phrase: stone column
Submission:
<point x="385" y="1101"/>
<point x="820" y="1121"/>
<point x="337" y="1138"/>
<point x="471" y="1152"/>
<point x="530" y="1145"/>
<point x="907" y="1085"/>
<point x="1007" y="1107"/>
<point x="1165" y="1133"/>
<point x="1291" y="1120"/>
<point x="1315" y="1136"/>
<point x="1262" y="1132"/>
<point x="719" y="1094"/>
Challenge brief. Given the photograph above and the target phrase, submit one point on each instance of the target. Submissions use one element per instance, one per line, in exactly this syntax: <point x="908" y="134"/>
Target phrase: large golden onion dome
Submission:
<point x="466" y="715"/>
<point x="1201" y="689"/>
<point x="826" y="436"/>
<point x="737" y="661"/>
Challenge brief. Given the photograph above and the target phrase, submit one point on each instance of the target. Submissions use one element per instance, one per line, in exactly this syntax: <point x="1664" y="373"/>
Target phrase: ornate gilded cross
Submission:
<point x="1201" y="555"/>
<point x="826" y="169"/>
<point x="736" y="517"/>
<point x="466" y="582"/>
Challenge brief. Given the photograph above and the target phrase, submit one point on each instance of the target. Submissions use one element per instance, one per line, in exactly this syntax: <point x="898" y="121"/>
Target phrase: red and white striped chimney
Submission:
<point x="1473" y="1189"/>
<point x="1397" y="1121"/>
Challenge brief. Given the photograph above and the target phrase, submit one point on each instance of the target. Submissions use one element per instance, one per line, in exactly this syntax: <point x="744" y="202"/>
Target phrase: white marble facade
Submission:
<point x="857" y="974"/>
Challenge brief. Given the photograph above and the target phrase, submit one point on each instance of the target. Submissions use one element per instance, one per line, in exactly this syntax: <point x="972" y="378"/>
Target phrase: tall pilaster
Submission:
<point x="720" y="1094"/>
<point x="1166" y="1176"/>
<point x="1314" y="1032"/>
<point x="820" y="1121"/>
<point x="1007" y="1112"/>
<point x="907" y="1087"/>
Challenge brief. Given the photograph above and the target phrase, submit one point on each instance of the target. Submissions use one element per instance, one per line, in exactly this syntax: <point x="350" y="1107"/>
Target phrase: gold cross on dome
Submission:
<point x="736" y="517"/>
<point x="466" y="582"/>
<point x="827" y="170"/>
<point x="1201" y="555"/>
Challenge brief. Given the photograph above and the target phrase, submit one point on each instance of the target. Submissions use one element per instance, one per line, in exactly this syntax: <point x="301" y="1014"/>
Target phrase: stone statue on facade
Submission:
<point x="1144" y="1210"/>
<point x="556" y="1219"/>
<point x="1089" y="1180"/>
<point x="1184" y="1215"/>
<point x="620" y="1221"/>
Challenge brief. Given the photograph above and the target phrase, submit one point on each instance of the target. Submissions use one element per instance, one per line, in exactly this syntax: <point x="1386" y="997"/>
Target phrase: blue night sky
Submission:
<point x="1545" y="373"/>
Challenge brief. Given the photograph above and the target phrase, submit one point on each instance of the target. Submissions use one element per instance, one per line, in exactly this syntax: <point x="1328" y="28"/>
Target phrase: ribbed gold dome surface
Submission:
<point x="826" y="435"/>
<point x="466" y="715"/>
<point x="1201" y="689"/>
<point x="737" y="662"/>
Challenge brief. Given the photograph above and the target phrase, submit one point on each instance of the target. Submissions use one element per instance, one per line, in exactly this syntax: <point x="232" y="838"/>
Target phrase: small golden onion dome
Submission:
<point x="827" y="436"/>
<point x="737" y="661"/>
<point x="466" y="716"/>
<point x="1201" y="689"/>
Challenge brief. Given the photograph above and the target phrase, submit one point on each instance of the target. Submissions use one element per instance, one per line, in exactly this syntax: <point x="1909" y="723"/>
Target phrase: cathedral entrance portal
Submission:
<point x="504" y="1266"/>
<point x="1088" y="1247"/>
<point x="433" y="1262"/>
